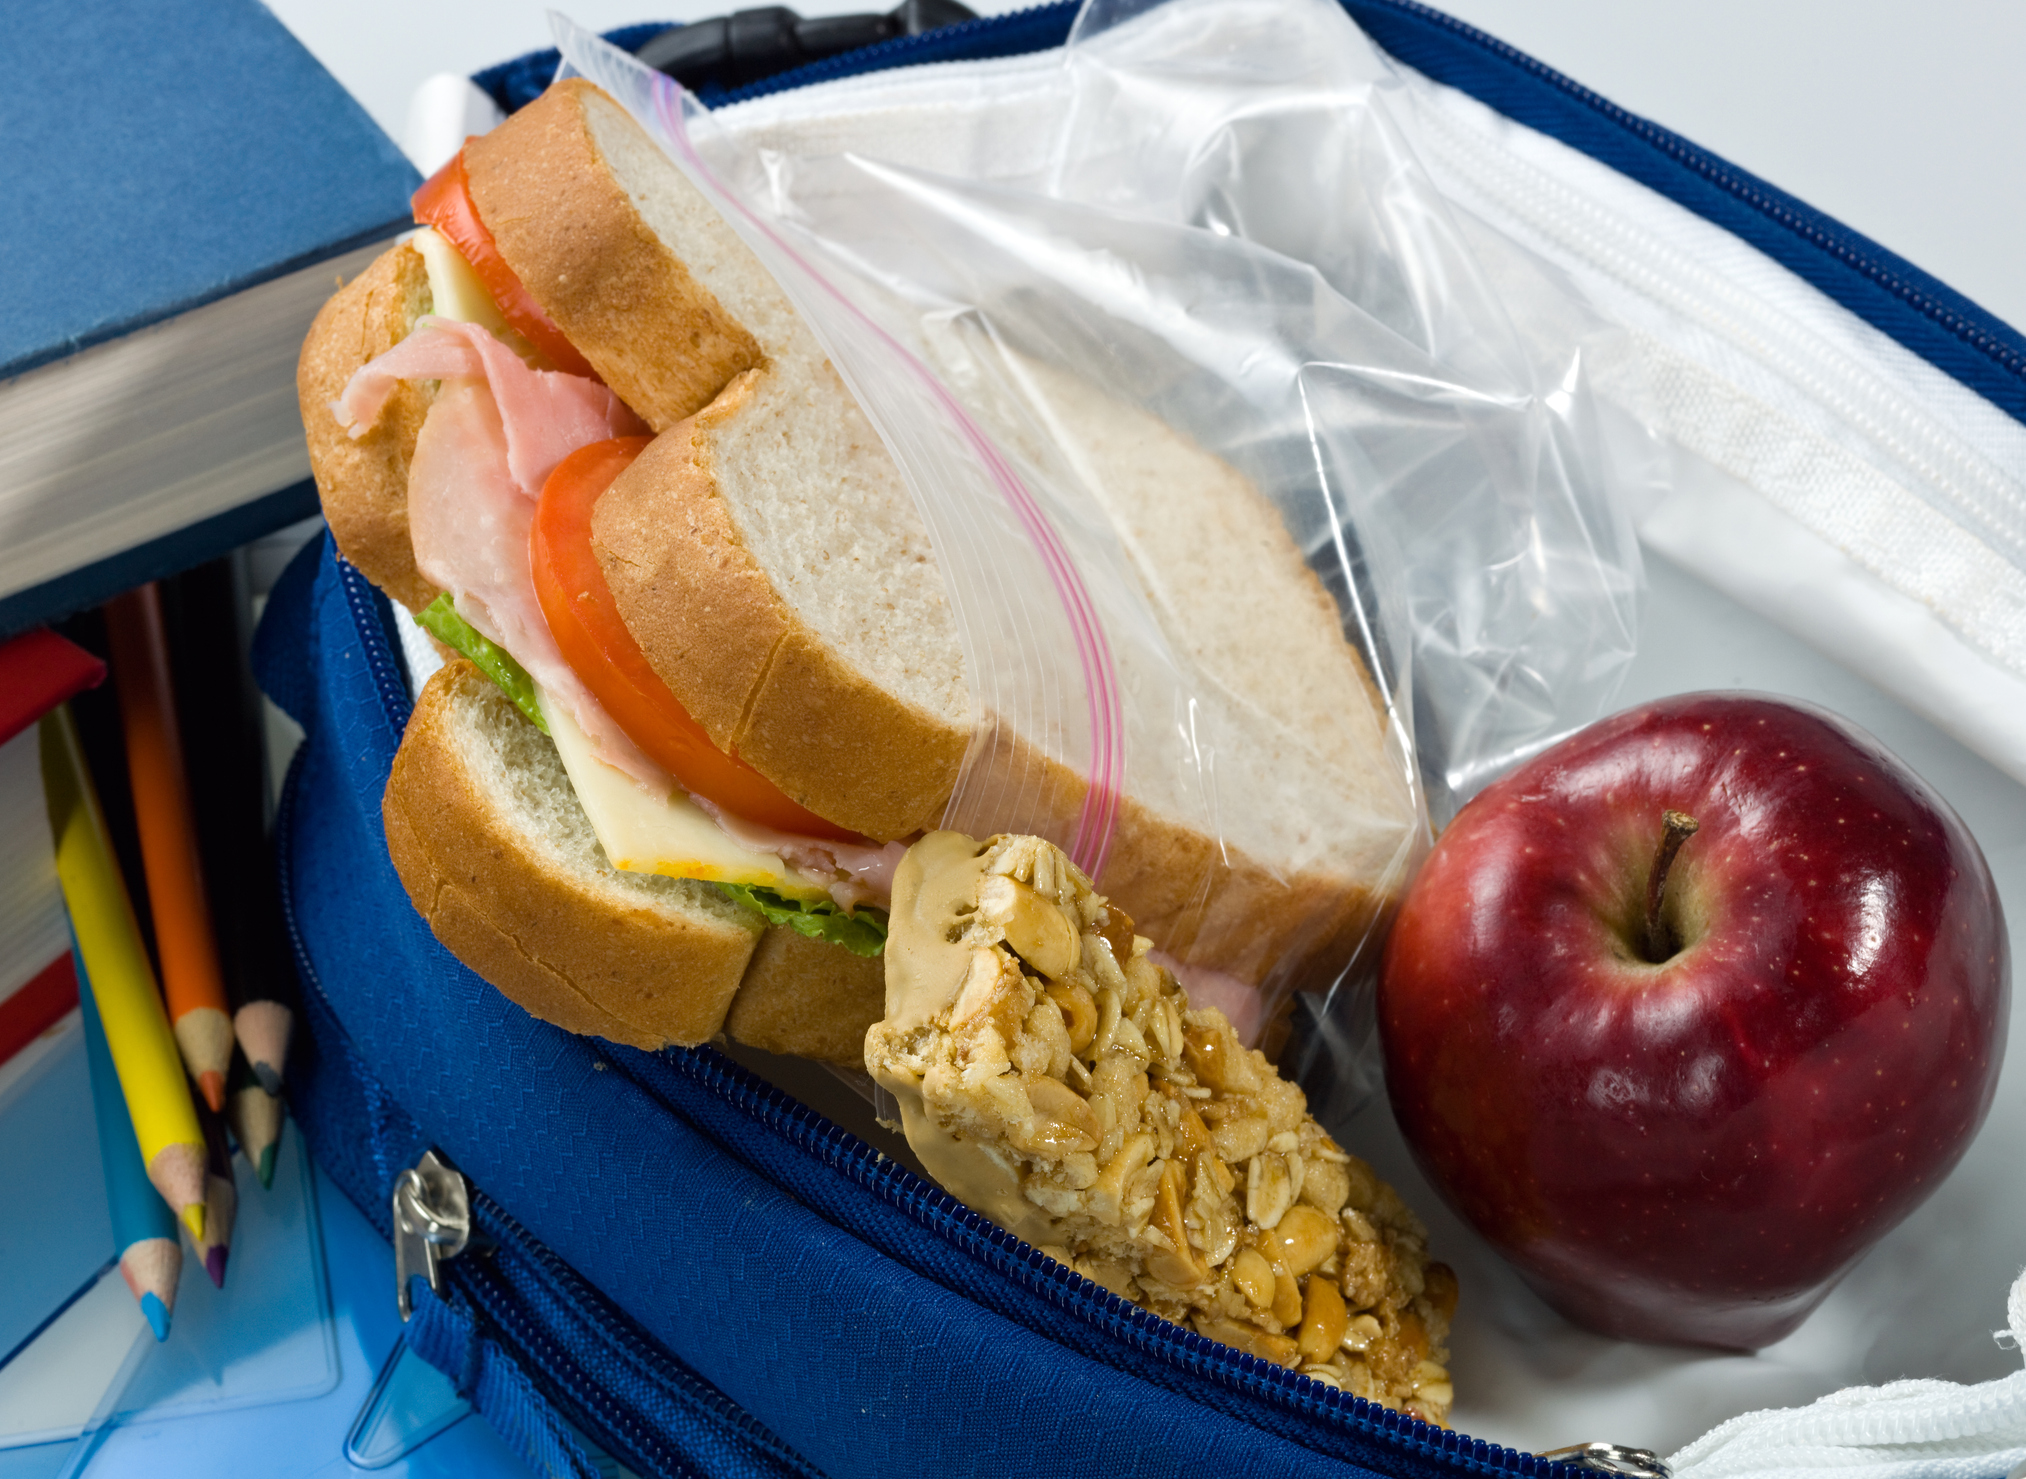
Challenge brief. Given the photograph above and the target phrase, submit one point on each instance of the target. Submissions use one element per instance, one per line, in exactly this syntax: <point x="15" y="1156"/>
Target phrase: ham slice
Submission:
<point x="1242" y="1005"/>
<point x="492" y="437"/>
<point x="490" y="441"/>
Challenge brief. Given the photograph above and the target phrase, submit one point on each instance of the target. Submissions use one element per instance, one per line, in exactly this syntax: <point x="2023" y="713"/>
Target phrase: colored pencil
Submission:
<point x="255" y="1116"/>
<point x="208" y="617"/>
<point x="191" y="979"/>
<point x="144" y="1229"/>
<point x="221" y="1198"/>
<point x="111" y="955"/>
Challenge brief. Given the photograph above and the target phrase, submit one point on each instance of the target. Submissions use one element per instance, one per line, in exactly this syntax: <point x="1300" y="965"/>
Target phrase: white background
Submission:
<point x="1905" y="121"/>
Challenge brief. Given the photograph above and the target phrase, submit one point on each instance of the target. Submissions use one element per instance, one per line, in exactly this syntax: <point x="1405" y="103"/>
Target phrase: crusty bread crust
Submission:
<point x="566" y="226"/>
<point x="737" y="656"/>
<point x="1202" y="899"/>
<point x="364" y="483"/>
<point x="559" y="939"/>
<point x="808" y="999"/>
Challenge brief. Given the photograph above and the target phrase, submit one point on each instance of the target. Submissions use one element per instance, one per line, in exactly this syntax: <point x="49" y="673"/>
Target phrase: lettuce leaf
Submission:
<point x="862" y="932"/>
<point x="440" y="619"/>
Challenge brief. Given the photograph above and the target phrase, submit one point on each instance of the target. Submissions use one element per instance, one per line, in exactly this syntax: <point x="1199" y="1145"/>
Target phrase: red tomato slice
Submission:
<point x="595" y="642"/>
<point x="444" y="201"/>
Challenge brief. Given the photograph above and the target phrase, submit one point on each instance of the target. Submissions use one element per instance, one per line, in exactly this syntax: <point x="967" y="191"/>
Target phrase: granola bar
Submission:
<point x="1053" y="1077"/>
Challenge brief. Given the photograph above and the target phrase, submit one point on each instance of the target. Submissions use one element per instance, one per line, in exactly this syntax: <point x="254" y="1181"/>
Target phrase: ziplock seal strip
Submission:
<point x="1099" y="811"/>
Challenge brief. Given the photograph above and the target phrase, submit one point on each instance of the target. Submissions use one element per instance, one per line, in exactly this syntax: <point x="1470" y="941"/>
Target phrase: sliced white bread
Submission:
<point x="497" y="855"/>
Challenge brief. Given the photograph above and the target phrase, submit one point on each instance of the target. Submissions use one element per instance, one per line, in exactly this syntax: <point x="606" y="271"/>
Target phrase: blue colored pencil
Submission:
<point x="144" y="1227"/>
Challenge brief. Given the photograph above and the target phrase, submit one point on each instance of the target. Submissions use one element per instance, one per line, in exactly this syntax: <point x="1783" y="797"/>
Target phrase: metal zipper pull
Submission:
<point x="1613" y="1458"/>
<point x="432" y="1224"/>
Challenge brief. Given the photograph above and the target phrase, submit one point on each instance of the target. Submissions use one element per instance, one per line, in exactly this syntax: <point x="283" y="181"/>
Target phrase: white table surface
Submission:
<point x="1904" y="120"/>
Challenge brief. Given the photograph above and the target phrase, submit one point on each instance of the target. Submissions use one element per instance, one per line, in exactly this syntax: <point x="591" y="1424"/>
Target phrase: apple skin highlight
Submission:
<point x="1694" y="1150"/>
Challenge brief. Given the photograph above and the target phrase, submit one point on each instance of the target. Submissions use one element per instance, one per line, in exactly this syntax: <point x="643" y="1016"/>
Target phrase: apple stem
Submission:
<point x="1676" y="828"/>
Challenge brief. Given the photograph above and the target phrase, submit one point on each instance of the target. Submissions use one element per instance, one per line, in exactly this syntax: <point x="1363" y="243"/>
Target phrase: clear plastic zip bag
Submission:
<point x="1269" y="497"/>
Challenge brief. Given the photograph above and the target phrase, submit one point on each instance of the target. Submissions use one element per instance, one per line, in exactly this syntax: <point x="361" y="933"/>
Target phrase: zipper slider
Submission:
<point x="432" y="1224"/>
<point x="1612" y="1458"/>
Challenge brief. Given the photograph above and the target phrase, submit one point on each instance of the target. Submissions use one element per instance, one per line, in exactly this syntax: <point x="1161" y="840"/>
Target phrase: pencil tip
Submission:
<point x="268" y="1077"/>
<point x="193" y="1218"/>
<point x="214" y="1264"/>
<point x="157" y="1313"/>
<point x="212" y="1083"/>
<point x="264" y="1169"/>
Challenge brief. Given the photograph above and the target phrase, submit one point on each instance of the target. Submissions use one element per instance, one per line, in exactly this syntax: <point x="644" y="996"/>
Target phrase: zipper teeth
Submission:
<point x="1585" y="228"/>
<point x="618" y="1428"/>
<point x="571" y="1286"/>
<point x="524" y="1339"/>
<point x="505" y="1230"/>
<point x="387" y="678"/>
<point x="1732" y="181"/>
<point x="1063" y="1287"/>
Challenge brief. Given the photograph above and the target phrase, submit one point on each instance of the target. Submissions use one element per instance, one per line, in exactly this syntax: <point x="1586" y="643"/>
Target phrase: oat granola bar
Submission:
<point x="1052" y="1077"/>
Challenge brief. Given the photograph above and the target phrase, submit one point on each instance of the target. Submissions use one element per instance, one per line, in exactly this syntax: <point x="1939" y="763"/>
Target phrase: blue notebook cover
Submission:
<point x="161" y="154"/>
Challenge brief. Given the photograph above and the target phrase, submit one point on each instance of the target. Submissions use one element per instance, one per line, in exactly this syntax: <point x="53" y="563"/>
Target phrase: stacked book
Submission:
<point x="184" y="186"/>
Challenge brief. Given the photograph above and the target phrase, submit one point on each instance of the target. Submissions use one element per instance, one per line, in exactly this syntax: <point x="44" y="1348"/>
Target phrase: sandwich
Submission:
<point x="709" y="682"/>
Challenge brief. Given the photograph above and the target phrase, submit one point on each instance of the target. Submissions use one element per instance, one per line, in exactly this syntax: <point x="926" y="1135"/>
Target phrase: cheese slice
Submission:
<point x="642" y="833"/>
<point x="456" y="293"/>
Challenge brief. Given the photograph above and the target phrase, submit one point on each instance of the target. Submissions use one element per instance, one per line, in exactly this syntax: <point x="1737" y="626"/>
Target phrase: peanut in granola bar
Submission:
<point x="1053" y="1077"/>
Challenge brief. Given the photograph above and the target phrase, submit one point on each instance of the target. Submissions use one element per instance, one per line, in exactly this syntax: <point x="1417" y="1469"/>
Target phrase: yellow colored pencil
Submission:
<point x="137" y="1027"/>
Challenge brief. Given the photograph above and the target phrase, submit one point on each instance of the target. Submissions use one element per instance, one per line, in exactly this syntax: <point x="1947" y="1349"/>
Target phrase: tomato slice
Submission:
<point x="595" y="642"/>
<point x="444" y="201"/>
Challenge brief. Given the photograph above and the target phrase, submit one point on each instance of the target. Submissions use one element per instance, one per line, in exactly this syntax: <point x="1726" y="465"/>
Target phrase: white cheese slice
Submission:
<point x="642" y="833"/>
<point x="457" y="293"/>
<point x="454" y="286"/>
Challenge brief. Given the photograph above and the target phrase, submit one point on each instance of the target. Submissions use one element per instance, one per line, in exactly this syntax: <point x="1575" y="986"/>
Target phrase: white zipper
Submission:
<point x="1932" y="459"/>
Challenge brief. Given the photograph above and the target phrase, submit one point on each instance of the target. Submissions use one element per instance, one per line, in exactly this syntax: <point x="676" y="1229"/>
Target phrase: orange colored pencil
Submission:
<point x="191" y="980"/>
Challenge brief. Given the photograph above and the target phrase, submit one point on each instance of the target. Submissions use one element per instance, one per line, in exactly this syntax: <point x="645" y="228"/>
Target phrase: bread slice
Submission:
<point x="363" y="484"/>
<point x="497" y="855"/>
<point x="558" y="186"/>
<point x="780" y="582"/>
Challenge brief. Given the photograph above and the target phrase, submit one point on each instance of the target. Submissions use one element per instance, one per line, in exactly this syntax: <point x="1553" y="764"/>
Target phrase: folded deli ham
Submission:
<point x="494" y="433"/>
<point x="493" y="436"/>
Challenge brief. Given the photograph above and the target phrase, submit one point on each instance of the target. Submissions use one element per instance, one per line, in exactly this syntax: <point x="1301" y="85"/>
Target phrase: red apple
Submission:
<point x="1690" y="1138"/>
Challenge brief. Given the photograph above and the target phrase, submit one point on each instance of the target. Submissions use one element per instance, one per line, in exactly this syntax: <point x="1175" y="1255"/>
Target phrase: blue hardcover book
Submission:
<point x="183" y="183"/>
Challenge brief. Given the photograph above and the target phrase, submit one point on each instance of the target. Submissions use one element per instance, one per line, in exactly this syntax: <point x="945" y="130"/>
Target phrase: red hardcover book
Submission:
<point x="38" y="671"/>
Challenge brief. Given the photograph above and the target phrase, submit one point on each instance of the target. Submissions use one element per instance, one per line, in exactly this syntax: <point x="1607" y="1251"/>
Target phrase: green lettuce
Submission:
<point x="862" y="932"/>
<point x="440" y="619"/>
